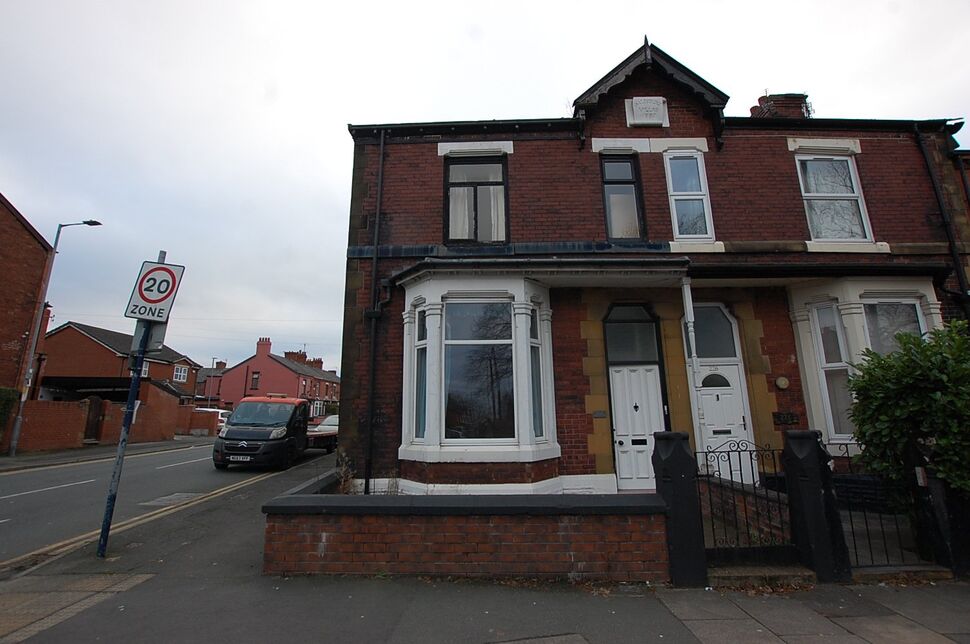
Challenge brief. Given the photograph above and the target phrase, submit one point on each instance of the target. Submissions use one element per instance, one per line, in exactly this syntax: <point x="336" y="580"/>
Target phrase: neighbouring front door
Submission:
<point x="722" y="404"/>
<point x="637" y="405"/>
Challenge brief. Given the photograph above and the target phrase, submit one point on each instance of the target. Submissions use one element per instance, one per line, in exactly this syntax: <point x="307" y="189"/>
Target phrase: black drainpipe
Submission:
<point x="964" y="296"/>
<point x="373" y="315"/>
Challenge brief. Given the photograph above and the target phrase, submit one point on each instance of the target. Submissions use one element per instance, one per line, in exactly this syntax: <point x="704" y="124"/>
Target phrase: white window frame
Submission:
<point x="184" y="370"/>
<point x="703" y="195"/>
<point x="824" y="366"/>
<point x="523" y="297"/>
<point x="317" y="407"/>
<point x="822" y="196"/>
<point x="144" y="369"/>
<point x="915" y="302"/>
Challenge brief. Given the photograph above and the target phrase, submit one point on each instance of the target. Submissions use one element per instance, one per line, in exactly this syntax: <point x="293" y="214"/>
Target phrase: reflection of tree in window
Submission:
<point x="831" y="199"/>
<point x="478" y="375"/>
<point x="887" y="319"/>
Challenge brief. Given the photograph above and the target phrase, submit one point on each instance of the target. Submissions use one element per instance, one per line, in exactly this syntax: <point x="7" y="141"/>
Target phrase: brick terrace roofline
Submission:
<point x="369" y="133"/>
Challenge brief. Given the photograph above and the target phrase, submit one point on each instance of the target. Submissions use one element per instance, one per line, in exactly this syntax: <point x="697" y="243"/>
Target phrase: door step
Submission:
<point x="914" y="573"/>
<point x="90" y="441"/>
<point x="760" y="577"/>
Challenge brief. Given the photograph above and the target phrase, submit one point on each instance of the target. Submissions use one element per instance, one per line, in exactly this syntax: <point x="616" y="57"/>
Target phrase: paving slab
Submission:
<point x="894" y="629"/>
<point x="938" y="611"/>
<point x="785" y="615"/>
<point x="730" y="631"/>
<point x="823" y="639"/>
<point x="696" y="604"/>
<point x="831" y="600"/>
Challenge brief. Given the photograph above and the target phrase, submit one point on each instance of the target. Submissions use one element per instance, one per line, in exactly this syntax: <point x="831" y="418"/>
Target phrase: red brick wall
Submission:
<point x="22" y="261"/>
<point x="156" y="419"/>
<point x="573" y="423"/>
<point x="50" y="425"/>
<point x="478" y="473"/>
<point x="611" y="547"/>
<point x="778" y="343"/>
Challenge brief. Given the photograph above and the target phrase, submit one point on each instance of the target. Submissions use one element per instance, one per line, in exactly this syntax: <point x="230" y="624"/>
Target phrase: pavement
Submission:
<point x="194" y="575"/>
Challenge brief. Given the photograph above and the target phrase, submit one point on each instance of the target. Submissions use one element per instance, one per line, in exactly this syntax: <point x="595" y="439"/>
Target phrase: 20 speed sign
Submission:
<point x="154" y="292"/>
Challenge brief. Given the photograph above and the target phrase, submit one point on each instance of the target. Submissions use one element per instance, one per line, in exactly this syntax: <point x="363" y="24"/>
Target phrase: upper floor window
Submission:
<point x="621" y="196"/>
<point x="833" y="199"/>
<point x="254" y="383"/>
<point x="690" y="206"/>
<point x="181" y="374"/>
<point x="144" y="369"/>
<point x="476" y="199"/>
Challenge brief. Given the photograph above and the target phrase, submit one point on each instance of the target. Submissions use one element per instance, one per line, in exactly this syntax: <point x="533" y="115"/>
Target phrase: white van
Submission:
<point x="223" y="414"/>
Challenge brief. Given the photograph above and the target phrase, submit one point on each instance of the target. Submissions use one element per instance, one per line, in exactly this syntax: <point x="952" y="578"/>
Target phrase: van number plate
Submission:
<point x="241" y="459"/>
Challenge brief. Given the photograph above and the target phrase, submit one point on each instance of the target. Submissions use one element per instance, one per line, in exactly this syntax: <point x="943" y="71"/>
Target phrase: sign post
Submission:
<point x="150" y="303"/>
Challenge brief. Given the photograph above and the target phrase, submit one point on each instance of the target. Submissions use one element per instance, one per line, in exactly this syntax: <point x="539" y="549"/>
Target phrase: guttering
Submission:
<point x="446" y="128"/>
<point x="757" y="123"/>
<point x="373" y="314"/>
<point x="951" y="236"/>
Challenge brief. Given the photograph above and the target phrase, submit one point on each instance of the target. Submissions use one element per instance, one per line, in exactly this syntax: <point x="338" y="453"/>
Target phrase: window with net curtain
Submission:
<point x="476" y="200"/>
<point x="832" y="198"/>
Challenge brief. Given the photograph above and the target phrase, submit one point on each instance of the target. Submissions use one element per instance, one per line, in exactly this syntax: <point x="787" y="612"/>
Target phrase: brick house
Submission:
<point x="208" y="383"/>
<point x="24" y="256"/>
<point x="83" y="360"/>
<point x="548" y="293"/>
<point x="264" y="373"/>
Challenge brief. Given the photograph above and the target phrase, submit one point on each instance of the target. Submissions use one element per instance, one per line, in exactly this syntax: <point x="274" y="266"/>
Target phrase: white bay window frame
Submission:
<point x="526" y="299"/>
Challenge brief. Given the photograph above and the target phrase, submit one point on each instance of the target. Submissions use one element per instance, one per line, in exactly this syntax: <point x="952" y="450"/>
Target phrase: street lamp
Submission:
<point x="38" y="317"/>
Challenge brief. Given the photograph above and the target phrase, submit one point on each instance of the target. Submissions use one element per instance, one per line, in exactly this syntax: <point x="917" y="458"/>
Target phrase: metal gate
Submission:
<point x="744" y="509"/>
<point x="878" y="517"/>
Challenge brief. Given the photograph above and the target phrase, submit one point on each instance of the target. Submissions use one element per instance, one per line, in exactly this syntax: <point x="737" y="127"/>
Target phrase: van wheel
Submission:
<point x="221" y="466"/>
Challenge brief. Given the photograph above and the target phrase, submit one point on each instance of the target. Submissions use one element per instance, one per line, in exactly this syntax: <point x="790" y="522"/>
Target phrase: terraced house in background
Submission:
<point x="528" y="301"/>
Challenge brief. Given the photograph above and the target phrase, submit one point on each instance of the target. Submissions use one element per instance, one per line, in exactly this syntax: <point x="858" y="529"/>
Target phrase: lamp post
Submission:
<point x="38" y="317"/>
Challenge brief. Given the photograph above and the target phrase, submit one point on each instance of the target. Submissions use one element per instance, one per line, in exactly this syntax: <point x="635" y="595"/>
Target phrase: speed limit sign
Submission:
<point x="154" y="292"/>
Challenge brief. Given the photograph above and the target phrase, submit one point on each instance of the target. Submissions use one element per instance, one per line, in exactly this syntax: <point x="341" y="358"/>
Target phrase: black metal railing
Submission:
<point x="877" y="515"/>
<point x="744" y="507"/>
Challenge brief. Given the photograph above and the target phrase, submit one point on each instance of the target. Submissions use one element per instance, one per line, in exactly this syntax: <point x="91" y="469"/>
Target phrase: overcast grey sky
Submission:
<point x="217" y="131"/>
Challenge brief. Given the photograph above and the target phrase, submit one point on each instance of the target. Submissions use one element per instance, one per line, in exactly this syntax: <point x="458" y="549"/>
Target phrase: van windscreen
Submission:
<point x="261" y="414"/>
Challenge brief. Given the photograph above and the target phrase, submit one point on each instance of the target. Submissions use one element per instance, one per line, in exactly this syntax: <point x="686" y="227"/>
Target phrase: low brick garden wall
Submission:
<point x="575" y="537"/>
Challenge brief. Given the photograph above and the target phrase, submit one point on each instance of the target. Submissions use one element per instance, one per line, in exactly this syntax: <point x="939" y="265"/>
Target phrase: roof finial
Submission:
<point x="647" y="58"/>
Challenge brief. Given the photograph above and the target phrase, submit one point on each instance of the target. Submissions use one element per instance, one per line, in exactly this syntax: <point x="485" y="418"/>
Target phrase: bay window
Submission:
<point x="885" y="319"/>
<point x="477" y="372"/>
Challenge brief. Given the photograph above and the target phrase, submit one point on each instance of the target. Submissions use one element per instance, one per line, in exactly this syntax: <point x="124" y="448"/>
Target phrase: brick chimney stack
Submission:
<point x="263" y="347"/>
<point x="221" y="364"/>
<point x="789" y="106"/>
<point x="296" y="356"/>
<point x="316" y="363"/>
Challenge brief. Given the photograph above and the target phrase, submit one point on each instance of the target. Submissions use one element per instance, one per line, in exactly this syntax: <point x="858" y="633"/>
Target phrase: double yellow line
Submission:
<point x="49" y="553"/>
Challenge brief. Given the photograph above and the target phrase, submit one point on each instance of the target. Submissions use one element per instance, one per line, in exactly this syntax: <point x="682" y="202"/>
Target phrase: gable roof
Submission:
<point x="305" y="370"/>
<point x="120" y="343"/>
<point x="26" y="224"/>
<point x="654" y="58"/>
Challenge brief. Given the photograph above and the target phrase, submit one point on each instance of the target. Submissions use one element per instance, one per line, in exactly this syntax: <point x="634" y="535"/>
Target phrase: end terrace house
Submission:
<point x="529" y="301"/>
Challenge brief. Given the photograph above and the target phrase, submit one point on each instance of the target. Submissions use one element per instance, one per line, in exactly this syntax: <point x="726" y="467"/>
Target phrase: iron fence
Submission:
<point x="878" y="517"/>
<point x="744" y="509"/>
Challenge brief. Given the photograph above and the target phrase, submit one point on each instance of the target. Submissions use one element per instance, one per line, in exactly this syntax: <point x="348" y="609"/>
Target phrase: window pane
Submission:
<point x="826" y="176"/>
<point x="478" y="321"/>
<point x="835" y="219"/>
<point x="420" y="391"/>
<point x="478" y="392"/>
<point x="691" y="219"/>
<point x="534" y="325"/>
<point x="491" y="213"/>
<point x="618" y="171"/>
<point x="831" y="348"/>
<point x="475" y="172"/>
<point x="422" y="326"/>
<point x="461" y="212"/>
<point x="886" y="319"/>
<point x="628" y="313"/>
<point x="632" y="342"/>
<point x="685" y="175"/>
<point x="715" y="380"/>
<point x="621" y="211"/>
<point x="840" y="400"/>
<point x="536" y="393"/>
<point x="713" y="333"/>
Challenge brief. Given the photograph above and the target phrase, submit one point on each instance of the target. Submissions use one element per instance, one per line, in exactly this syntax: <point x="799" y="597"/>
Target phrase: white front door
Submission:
<point x="637" y="405"/>
<point x="724" y="425"/>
